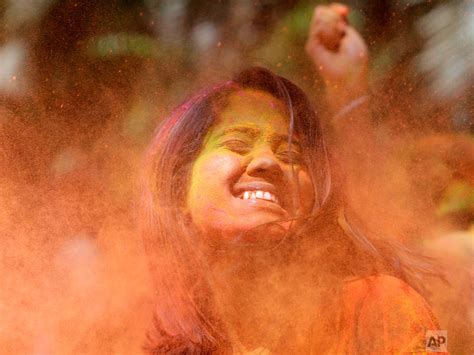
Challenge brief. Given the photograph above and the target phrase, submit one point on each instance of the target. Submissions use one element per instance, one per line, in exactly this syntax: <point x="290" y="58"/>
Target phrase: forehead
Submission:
<point x="253" y="109"/>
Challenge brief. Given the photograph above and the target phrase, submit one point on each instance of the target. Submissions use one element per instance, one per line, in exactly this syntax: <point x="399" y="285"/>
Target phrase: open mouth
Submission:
<point x="258" y="191"/>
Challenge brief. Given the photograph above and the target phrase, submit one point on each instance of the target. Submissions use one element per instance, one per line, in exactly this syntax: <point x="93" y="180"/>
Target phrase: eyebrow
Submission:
<point x="251" y="132"/>
<point x="254" y="133"/>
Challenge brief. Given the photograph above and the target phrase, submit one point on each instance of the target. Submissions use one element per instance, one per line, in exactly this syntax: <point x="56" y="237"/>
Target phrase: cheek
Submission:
<point x="211" y="181"/>
<point x="306" y="191"/>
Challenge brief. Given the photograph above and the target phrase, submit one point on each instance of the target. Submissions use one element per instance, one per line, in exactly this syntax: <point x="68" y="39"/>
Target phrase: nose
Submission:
<point x="264" y="164"/>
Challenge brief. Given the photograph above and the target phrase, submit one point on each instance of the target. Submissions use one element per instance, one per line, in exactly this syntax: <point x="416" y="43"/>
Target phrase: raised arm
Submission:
<point x="340" y="55"/>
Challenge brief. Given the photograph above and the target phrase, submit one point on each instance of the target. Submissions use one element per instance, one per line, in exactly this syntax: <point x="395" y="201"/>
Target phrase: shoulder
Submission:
<point x="382" y="289"/>
<point x="383" y="313"/>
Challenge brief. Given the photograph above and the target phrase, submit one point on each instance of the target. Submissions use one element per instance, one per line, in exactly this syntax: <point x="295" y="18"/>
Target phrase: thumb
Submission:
<point x="319" y="53"/>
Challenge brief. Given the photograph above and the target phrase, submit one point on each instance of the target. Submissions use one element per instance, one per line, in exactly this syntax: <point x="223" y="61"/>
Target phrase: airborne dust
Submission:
<point x="84" y="84"/>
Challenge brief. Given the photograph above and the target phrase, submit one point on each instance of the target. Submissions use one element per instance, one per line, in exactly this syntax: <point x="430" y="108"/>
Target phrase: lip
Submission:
<point x="264" y="205"/>
<point x="240" y="188"/>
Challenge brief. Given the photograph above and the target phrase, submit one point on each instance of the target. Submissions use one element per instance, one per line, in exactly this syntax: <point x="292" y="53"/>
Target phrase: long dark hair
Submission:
<point x="183" y="323"/>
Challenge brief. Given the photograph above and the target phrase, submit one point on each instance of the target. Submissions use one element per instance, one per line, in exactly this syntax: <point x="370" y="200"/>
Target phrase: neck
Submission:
<point x="265" y="299"/>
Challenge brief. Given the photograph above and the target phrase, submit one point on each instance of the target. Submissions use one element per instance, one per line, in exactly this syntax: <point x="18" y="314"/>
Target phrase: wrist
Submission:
<point x="355" y="105"/>
<point x="340" y="94"/>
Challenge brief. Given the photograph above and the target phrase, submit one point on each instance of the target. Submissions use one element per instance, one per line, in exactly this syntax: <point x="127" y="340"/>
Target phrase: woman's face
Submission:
<point x="243" y="178"/>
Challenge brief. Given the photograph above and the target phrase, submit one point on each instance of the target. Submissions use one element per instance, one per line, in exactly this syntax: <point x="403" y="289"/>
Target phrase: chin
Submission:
<point x="265" y="231"/>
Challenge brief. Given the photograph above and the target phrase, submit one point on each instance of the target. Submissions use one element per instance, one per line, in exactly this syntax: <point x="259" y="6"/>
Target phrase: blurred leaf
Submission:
<point x="459" y="197"/>
<point x="297" y="21"/>
<point x="122" y="44"/>
<point x="285" y="48"/>
<point x="138" y="120"/>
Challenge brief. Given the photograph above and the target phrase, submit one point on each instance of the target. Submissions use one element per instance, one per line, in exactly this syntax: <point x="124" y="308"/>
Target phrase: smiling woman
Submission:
<point x="247" y="173"/>
<point x="252" y="246"/>
<point x="250" y="243"/>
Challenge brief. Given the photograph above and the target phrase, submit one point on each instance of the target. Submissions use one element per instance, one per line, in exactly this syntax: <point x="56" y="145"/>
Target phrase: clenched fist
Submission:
<point x="337" y="50"/>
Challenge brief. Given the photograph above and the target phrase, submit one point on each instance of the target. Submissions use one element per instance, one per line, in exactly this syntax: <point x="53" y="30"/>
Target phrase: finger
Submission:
<point x="328" y="27"/>
<point x="334" y="11"/>
<point x="341" y="10"/>
<point x="341" y="26"/>
<point x="353" y="45"/>
<point x="325" y="16"/>
<point x="323" y="13"/>
<point x="320" y="54"/>
<point x="331" y="37"/>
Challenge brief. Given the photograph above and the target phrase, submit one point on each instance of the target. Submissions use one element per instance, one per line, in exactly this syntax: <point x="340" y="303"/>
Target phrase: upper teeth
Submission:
<point x="258" y="194"/>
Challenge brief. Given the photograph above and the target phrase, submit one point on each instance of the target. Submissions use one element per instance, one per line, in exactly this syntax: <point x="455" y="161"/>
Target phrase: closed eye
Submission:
<point x="237" y="146"/>
<point x="288" y="157"/>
